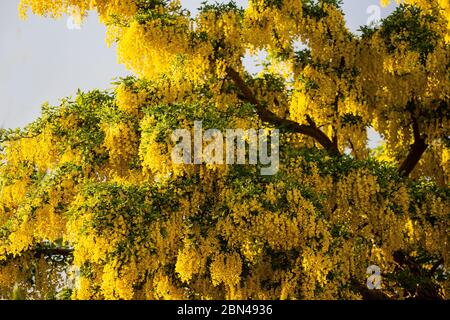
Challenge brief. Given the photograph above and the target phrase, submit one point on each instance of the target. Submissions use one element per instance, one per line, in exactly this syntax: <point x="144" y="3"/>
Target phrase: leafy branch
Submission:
<point x="310" y="130"/>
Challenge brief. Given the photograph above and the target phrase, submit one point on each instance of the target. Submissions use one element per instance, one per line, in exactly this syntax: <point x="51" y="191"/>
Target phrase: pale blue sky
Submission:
<point x="43" y="60"/>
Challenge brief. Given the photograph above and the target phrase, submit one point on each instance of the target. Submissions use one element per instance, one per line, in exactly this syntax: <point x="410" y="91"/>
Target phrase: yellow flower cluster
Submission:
<point x="39" y="149"/>
<point x="283" y="24"/>
<point x="157" y="48"/>
<point x="121" y="143"/>
<point x="118" y="284"/>
<point x="56" y="9"/>
<point x="129" y="101"/>
<point x="188" y="263"/>
<point x="226" y="269"/>
<point x="225" y="28"/>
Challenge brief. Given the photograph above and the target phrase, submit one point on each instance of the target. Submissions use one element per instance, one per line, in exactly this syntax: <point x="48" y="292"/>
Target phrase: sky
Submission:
<point x="43" y="60"/>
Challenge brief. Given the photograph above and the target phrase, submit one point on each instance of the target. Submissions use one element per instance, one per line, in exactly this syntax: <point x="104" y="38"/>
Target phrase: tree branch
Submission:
<point x="42" y="250"/>
<point x="310" y="130"/>
<point x="66" y="252"/>
<point x="416" y="151"/>
<point x="366" y="293"/>
<point x="436" y="266"/>
<point x="424" y="287"/>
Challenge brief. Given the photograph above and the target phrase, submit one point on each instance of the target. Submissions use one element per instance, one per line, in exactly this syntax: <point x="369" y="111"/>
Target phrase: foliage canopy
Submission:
<point x="92" y="207"/>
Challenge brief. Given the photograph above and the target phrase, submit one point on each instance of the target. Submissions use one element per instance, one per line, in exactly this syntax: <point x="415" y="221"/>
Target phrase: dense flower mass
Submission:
<point x="92" y="206"/>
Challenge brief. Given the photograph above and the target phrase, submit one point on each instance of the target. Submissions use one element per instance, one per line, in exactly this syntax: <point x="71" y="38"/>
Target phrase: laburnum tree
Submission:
<point x="93" y="207"/>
